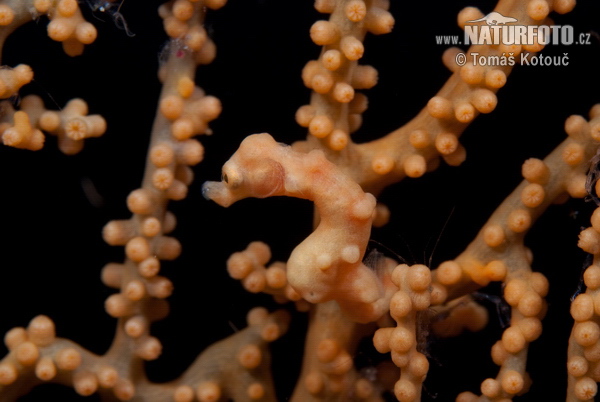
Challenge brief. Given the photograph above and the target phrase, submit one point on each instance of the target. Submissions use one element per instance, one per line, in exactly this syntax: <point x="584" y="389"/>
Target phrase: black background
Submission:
<point x="52" y="247"/>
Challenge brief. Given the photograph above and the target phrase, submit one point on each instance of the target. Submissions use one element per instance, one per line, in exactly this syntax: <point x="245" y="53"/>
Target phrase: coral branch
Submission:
<point x="142" y="292"/>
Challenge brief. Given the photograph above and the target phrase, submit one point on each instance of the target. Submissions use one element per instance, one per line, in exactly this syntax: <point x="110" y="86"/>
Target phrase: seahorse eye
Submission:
<point x="231" y="177"/>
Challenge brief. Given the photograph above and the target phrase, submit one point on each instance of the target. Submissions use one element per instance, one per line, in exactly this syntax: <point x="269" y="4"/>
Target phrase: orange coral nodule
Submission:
<point x="586" y="388"/>
<point x="538" y="9"/>
<point x="7" y="15"/>
<point x="215" y="4"/>
<point x="382" y="164"/>
<point x="8" y="373"/>
<point x="208" y="391"/>
<point x="149" y="349"/>
<point x="86" y="33"/>
<point x="415" y="165"/>
<point x="440" y="107"/>
<point x="356" y="10"/>
<point x="85" y="383"/>
<point x="324" y="33"/>
<point x="45" y="369"/>
<point x="82" y="127"/>
<point x="250" y="356"/>
<point x="325" y="6"/>
<point x="67" y="8"/>
<point x="331" y="59"/>
<point x="352" y="48"/>
<point x="495" y="78"/>
<point x="183" y="393"/>
<point x="196" y="38"/>
<point x="379" y="20"/>
<point x="124" y="389"/>
<point x="343" y="92"/>
<point x="320" y="126"/>
<point x="171" y="106"/>
<point x="446" y="143"/>
<point x="41" y="331"/>
<point x="22" y="134"/>
<point x="512" y="382"/>
<point x="255" y="391"/>
<point x="183" y="10"/>
<point x="27" y="353"/>
<point x="68" y="359"/>
<point x="62" y="28"/>
<point x="141" y="201"/>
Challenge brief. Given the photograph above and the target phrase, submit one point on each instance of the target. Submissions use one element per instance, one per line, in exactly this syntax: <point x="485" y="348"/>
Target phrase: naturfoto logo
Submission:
<point x="495" y="18"/>
<point x="499" y="29"/>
